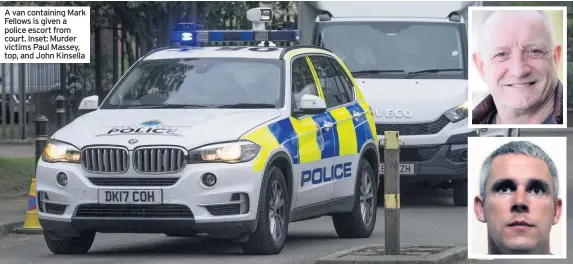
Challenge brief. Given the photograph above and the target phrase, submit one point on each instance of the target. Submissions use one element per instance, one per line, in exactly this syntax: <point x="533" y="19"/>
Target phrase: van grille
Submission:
<point x="105" y="160"/>
<point x="420" y="154"/>
<point x="414" y="129"/>
<point x="158" y="160"/>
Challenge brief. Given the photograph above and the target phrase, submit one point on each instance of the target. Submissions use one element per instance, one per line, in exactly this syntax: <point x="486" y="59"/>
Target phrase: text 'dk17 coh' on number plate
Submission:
<point x="130" y="197"/>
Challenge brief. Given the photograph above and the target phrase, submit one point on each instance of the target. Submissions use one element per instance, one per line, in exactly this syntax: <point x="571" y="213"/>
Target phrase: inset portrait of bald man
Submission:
<point x="519" y="199"/>
<point x="518" y="58"/>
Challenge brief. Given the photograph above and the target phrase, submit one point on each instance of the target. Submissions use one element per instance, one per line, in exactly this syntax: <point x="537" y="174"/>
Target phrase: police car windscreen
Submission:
<point x="392" y="49"/>
<point x="200" y="83"/>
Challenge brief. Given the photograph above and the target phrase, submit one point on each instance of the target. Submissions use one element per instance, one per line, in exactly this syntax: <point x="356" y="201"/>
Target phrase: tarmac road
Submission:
<point x="426" y="219"/>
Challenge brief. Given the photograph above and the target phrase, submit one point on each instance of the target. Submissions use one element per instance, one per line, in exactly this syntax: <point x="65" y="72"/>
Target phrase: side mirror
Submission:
<point x="311" y="104"/>
<point x="89" y="103"/>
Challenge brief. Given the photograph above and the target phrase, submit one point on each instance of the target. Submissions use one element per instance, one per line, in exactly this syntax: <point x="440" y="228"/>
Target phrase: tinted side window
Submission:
<point x="302" y="80"/>
<point x="326" y="75"/>
<point x="344" y="80"/>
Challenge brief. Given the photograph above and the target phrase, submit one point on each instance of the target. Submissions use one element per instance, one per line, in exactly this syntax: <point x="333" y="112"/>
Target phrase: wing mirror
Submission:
<point x="89" y="103"/>
<point x="311" y="105"/>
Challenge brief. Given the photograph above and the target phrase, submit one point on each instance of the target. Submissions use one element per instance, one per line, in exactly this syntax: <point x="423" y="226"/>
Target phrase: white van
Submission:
<point x="410" y="60"/>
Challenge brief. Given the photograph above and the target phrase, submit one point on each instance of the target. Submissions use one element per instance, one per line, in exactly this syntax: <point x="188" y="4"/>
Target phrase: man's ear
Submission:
<point x="478" y="208"/>
<point x="478" y="62"/>
<point x="557" y="55"/>
<point x="557" y="211"/>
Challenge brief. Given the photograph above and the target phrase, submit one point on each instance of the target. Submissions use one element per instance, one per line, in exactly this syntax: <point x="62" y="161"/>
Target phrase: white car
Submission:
<point x="235" y="142"/>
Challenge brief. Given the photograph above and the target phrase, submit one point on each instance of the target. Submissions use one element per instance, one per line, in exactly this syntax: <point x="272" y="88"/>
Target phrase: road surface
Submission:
<point x="426" y="219"/>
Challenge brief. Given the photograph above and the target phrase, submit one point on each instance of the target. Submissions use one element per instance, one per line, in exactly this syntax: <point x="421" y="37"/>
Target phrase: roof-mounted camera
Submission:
<point x="259" y="16"/>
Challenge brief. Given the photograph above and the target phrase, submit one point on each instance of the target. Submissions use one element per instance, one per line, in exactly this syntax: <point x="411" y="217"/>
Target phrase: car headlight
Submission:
<point x="234" y="152"/>
<point x="458" y="113"/>
<point x="57" y="151"/>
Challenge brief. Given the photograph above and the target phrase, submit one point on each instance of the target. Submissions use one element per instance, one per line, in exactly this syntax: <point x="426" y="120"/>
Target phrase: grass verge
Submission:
<point x="15" y="176"/>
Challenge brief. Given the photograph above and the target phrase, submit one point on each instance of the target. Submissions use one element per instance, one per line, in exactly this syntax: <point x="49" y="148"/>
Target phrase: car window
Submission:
<point x="302" y="80"/>
<point x="203" y="83"/>
<point x="344" y="80"/>
<point x="326" y="75"/>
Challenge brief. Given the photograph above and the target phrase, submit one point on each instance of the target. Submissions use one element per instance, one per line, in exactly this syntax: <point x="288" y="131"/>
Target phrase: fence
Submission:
<point x="29" y="90"/>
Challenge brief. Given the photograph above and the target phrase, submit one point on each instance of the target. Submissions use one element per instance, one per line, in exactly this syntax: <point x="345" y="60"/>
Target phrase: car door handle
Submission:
<point x="356" y="115"/>
<point x="328" y="125"/>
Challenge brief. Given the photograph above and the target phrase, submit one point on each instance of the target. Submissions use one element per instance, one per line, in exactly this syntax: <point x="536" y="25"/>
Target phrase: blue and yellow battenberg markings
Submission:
<point x="346" y="132"/>
<point x="301" y="139"/>
<point x="267" y="141"/>
<point x="308" y="140"/>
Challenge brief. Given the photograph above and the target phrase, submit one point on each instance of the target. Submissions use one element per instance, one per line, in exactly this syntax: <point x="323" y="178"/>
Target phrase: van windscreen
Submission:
<point x="396" y="49"/>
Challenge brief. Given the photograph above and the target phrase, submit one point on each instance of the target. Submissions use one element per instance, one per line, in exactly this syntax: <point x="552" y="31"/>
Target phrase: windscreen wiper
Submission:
<point x="168" y="106"/>
<point x="247" y="105"/>
<point x="357" y="73"/>
<point x="416" y="73"/>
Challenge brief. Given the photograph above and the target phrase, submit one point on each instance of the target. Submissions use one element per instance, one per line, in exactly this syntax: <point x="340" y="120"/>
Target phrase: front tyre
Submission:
<point x="460" y="192"/>
<point x="70" y="245"/>
<point x="360" y="222"/>
<point x="273" y="216"/>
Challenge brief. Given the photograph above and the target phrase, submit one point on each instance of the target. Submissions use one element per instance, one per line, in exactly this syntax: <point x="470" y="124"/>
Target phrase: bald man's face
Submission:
<point x="517" y="61"/>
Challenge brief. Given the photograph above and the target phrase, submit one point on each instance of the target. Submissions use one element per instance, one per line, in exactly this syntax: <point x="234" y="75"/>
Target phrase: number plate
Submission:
<point x="404" y="169"/>
<point x="130" y="197"/>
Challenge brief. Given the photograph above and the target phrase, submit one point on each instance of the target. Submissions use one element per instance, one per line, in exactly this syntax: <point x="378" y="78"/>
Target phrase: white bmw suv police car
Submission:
<point x="235" y="142"/>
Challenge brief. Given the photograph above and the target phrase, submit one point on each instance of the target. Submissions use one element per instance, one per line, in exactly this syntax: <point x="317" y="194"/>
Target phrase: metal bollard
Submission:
<point x="61" y="111"/>
<point x="41" y="137"/>
<point x="392" y="192"/>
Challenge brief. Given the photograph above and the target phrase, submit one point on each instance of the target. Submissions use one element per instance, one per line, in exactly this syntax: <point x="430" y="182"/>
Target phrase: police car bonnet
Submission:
<point x="105" y="125"/>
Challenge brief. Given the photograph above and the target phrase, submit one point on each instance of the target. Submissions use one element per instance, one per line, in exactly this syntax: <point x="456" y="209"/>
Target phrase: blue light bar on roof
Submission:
<point x="184" y="33"/>
<point x="247" y="35"/>
<point x="190" y="34"/>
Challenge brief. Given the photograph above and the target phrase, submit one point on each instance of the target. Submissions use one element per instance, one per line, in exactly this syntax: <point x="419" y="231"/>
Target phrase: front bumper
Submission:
<point x="230" y="229"/>
<point x="227" y="209"/>
<point x="434" y="163"/>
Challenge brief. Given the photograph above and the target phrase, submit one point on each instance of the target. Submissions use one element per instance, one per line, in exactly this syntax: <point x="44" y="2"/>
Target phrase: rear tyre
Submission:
<point x="273" y="216"/>
<point x="360" y="222"/>
<point x="460" y="194"/>
<point x="70" y="245"/>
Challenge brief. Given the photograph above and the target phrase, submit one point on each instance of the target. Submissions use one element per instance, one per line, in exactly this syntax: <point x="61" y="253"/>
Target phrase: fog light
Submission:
<point x="209" y="179"/>
<point x="464" y="155"/>
<point x="62" y="179"/>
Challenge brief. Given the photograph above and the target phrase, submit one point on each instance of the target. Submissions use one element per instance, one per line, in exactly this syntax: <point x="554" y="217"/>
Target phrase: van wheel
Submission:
<point x="380" y="190"/>
<point x="71" y="245"/>
<point x="460" y="194"/>
<point x="273" y="216"/>
<point x="360" y="222"/>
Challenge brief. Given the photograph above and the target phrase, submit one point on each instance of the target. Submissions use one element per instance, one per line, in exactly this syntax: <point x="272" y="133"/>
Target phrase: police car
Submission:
<point x="235" y="142"/>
